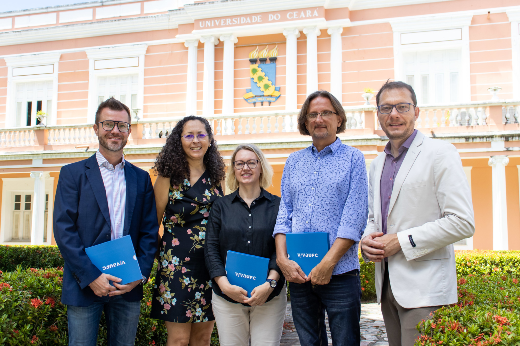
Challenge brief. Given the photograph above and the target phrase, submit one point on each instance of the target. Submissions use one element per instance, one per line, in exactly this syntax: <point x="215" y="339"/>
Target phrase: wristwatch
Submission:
<point x="272" y="282"/>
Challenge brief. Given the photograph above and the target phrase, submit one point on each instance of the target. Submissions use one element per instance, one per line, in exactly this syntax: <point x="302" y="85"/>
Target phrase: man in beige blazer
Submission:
<point x="419" y="205"/>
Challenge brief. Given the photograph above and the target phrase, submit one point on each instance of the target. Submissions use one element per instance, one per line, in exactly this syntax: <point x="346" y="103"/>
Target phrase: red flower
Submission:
<point x="50" y="301"/>
<point x="53" y="328"/>
<point x="34" y="339"/>
<point x="36" y="303"/>
<point x="515" y="281"/>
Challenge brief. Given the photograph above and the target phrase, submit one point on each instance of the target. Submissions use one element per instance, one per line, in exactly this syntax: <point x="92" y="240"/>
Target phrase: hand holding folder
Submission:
<point x="246" y="271"/>
<point x="117" y="258"/>
<point x="307" y="249"/>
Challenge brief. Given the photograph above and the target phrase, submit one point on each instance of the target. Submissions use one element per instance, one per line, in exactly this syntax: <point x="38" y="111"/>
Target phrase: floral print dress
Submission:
<point x="182" y="290"/>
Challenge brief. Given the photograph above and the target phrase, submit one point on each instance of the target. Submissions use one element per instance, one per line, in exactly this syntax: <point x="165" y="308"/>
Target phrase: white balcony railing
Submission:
<point x="247" y="123"/>
<point x="472" y="114"/>
<point x="455" y="115"/>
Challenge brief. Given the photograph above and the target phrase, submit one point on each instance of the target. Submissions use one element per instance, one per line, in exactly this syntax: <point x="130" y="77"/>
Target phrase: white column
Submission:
<point x="228" y="97"/>
<point x="191" y="82"/>
<point x="38" y="207"/>
<point x="500" y="239"/>
<point x="291" y="61"/>
<point x="336" y="62"/>
<point x="312" y="58"/>
<point x="208" y="88"/>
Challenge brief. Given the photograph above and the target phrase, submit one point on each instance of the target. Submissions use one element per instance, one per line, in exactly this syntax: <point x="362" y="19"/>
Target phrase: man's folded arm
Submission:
<point x="454" y="199"/>
<point x="65" y="230"/>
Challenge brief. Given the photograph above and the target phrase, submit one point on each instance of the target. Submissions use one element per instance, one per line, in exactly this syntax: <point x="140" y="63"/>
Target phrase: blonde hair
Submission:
<point x="266" y="177"/>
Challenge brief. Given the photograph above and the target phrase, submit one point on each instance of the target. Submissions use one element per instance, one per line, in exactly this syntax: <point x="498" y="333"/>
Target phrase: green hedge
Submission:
<point x="42" y="257"/>
<point x="488" y="311"/>
<point x="31" y="312"/>
<point x="482" y="262"/>
<point x="33" y="256"/>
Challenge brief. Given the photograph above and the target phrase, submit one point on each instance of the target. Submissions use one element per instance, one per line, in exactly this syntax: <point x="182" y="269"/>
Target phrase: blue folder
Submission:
<point x="116" y="257"/>
<point x="307" y="249"/>
<point x="246" y="271"/>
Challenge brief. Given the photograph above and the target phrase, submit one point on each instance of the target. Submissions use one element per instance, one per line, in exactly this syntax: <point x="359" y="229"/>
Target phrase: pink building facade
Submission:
<point x="248" y="66"/>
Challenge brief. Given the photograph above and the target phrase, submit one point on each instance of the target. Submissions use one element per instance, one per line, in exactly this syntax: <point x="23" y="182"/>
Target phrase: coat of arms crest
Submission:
<point x="263" y="77"/>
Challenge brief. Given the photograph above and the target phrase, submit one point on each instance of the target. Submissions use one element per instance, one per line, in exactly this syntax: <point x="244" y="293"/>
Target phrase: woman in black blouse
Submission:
<point x="243" y="221"/>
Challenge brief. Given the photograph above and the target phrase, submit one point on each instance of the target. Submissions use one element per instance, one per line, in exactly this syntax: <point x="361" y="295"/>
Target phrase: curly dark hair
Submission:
<point x="171" y="161"/>
<point x="302" y="117"/>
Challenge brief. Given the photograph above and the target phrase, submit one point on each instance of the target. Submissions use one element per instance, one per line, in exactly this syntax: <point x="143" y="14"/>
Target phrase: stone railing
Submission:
<point x="73" y="134"/>
<point x="18" y="137"/>
<point x="249" y="123"/>
<point x="481" y="115"/>
<point x="470" y="114"/>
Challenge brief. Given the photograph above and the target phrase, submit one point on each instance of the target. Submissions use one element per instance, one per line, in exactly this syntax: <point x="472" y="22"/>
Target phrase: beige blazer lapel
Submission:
<point x="406" y="166"/>
<point x="377" y="193"/>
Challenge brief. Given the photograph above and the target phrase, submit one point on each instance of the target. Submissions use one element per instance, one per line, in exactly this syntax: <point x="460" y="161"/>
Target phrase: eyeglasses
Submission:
<point x="240" y="164"/>
<point x="400" y="107"/>
<point x="324" y="114"/>
<point x="108" y="125"/>
<point x="190" y="137"/>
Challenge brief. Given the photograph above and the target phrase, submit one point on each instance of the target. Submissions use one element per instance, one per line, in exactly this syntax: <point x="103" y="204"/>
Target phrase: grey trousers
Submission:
<point x="400" y="322"/>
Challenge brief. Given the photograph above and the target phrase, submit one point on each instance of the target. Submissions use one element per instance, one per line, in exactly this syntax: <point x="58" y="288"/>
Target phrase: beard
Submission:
<point x="320" y="135"/>
<point x="112" y="147"/>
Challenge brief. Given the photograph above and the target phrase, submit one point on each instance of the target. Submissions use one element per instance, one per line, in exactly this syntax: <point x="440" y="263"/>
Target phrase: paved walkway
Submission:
<point x="373" y="331"/>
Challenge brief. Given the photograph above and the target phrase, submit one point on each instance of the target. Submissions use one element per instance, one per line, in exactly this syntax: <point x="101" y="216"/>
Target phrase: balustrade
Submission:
<point x="17" y="138"/>
<point x="266" y="123"/>
<point x="79" y="134"/>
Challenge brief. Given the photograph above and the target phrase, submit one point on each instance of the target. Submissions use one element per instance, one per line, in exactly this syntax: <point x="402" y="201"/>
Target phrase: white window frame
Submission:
<point x="428" y="23"/>
<point x="514" y="18"/>
<point x="16" y="61"/>
<point x="115" y="52"/>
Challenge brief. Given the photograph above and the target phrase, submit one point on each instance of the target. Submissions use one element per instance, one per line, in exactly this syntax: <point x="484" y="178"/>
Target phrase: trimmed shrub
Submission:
<point x="46" y="256"/>
<point x="489" y="303"/>
<point x="487" y="314"/>
<point x="367" y="277"/>
<point x="482" y="262"/>
<point x="29" y="256"/>
<point x="31" y="312"/>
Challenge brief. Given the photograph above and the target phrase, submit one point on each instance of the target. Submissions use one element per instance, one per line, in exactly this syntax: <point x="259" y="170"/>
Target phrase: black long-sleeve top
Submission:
<point x="232" y="225"/>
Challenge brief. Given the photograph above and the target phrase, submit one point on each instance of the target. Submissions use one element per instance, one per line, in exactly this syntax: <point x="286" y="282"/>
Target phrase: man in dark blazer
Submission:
<point x="97" y="200"/>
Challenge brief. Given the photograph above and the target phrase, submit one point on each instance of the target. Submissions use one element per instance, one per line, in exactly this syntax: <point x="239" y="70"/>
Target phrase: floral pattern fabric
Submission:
<point x="182" y="290"/>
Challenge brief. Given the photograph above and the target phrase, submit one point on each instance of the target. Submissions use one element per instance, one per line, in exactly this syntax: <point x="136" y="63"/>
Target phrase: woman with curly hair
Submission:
<point x="190" y="170"/>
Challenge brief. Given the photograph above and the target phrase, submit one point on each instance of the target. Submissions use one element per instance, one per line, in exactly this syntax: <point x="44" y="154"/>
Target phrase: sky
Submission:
<point x="16" y="5"/>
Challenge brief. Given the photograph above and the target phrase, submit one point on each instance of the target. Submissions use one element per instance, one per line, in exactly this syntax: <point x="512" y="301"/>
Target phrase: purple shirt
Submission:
<point x="390" y="170"/>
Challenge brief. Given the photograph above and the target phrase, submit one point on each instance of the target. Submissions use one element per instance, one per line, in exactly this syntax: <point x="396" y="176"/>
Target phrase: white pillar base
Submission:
<point x="38" y="207"/>
<point x="500" y="231"/>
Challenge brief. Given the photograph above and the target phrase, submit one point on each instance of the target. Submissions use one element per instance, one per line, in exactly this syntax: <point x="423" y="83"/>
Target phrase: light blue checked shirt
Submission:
<point x="326" y="191"/>
<point x="115" y="189"/>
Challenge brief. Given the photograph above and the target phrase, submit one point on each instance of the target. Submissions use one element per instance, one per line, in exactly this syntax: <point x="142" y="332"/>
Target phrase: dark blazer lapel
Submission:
<point x="96" y="182"/>
<point x="409" y="159"/>
<point x="131" y="194"/>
